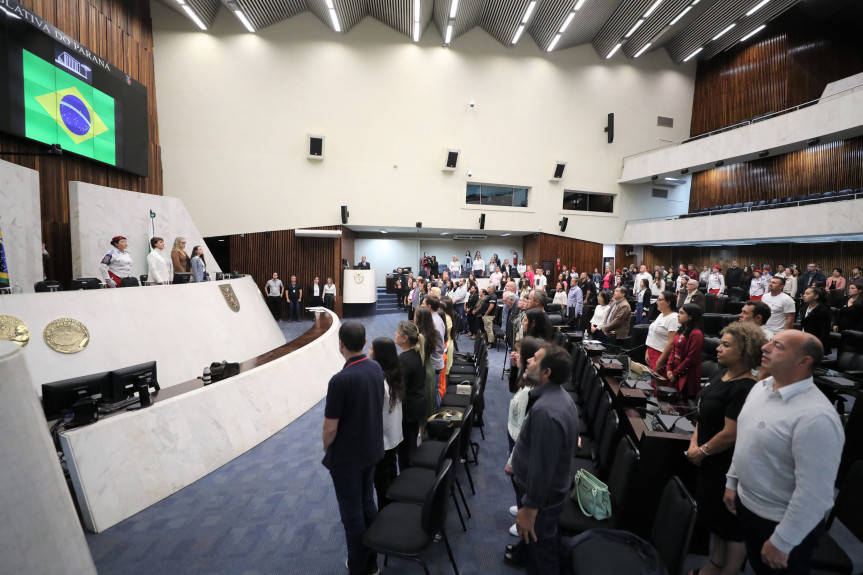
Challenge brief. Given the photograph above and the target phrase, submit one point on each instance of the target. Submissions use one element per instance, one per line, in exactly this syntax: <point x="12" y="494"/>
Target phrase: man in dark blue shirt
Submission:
<point x="541" y="459"/>
<point x="354" y="442"/>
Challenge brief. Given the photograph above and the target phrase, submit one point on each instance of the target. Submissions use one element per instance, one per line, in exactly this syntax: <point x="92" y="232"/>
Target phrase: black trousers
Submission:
<point x="273" y="303"/>
<point x="757" y="530"/>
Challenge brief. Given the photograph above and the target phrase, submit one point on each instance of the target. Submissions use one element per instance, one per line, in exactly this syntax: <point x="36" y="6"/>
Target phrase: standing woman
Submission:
<point x="330" y="295"/>
<point x="661" y="334"/>
<point x="383" y="351"/>
<point x="529" y="275"/>
<point x="643" y="306"/>
<point x="745" y="279"/>
<point x="425" y="263"/>
<point x="835" y="288"/>
<point x="116" y="265"/>
<point x="608" y="279"/>
<point x="757" y="286"/>
<point x="478" y="266"/>
<point x="469" y="306"/>
<point x="600" y="312"/>
<point x="455" y="267"/>
<point x="815" y="316"/>
<point x="657" y="286"/>
<point x="411" y="343"/>
<point x="535" y="324"/>
<point x="791" y="283"/>
<point x="712" y="443"/>
<point x="467" y="264"/>
<point x="317" y="292"/>
<point x="560" y="297"/>
<point x="684" y="365"/>
<point x="199" y="265"/>
<point x="425" y="325"/>
<point x="160" y="270"/>
<point x="851" y="314"/>
<point x="181" y="260"/>
<point x="446" y="306"/>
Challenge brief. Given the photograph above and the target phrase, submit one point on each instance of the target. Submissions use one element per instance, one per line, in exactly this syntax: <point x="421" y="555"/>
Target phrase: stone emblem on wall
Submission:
<point x="14" y="329"/>
<point x="359" y="278"/>
<point x="66" y="335"/>
<point x="230" y="297"/>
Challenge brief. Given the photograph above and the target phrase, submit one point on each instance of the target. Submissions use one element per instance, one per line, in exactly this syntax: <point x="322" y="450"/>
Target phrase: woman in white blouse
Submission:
<point x="478" y="266"/>
<point x="601" y="311"/>
<point x="330" y="295"/>
<point x="160" y="268"/>
<point x="661" y="333"/>
<point x="455" y="267"/>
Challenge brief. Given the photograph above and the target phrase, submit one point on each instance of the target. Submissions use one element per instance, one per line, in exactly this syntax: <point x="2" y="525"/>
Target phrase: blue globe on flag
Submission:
<point x="75" y="114"/>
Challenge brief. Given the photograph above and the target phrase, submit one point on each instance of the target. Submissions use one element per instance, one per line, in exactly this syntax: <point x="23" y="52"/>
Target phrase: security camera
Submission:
<point x="469" y="173"/>
<point x="471" y="103"/>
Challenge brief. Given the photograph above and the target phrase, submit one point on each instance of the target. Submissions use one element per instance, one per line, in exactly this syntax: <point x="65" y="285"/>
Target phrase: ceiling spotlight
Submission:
<point x="763" y="153"/>
<point x="654" y="178"/>
<point x="720" y="163"/>
<point x="813" y="141"/>
<point x="684" y="171"/>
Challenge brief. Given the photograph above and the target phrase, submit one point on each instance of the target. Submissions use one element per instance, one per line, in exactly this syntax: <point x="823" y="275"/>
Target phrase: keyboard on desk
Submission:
<point x="106" y="408"/>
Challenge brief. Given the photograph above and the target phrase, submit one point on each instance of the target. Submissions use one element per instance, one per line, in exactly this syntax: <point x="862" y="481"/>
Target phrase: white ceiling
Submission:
<point x="602" y="23"/>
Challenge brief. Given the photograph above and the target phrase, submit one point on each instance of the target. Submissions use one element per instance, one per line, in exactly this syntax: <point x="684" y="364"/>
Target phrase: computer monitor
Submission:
<point x="58" y="397"/>
<point x="124" y="382"/>
<point x="182" y="277"/>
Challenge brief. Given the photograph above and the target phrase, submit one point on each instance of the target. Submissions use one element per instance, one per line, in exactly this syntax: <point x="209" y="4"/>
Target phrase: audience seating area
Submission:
<point x="799" y="200"/>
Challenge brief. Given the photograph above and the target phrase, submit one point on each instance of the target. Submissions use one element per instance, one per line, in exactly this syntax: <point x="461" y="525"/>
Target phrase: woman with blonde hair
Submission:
<point x="412" y="344"/>
<point x="181" y="260"/>
<point x="712" y="443"/>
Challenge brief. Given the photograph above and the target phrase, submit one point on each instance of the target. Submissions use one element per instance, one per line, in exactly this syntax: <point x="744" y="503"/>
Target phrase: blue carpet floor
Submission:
<point x="273" y="510"/>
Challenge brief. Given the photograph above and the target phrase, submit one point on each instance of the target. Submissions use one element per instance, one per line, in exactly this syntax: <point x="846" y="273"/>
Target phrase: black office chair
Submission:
<point x="760" y="205"/>
<point x="712" y="324"/>
<point x="406" y="530"/>
<point x="623" y="466"/>
<point x="46" y="285"/>
<point x="828" y="555"/>
<point x="588" y="437"/>
<point x="670" y="535"/>
<point x="600" y="465"/>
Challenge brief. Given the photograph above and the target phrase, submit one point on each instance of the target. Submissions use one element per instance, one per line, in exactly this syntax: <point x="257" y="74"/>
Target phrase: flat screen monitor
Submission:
<point x="182" y="277"/>
<point x="59" y="397"/>
<point x="123" y="383"/>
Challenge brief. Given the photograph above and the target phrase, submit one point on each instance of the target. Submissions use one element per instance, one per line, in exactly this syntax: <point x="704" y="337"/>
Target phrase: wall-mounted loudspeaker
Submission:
<point x="609" y="129"/>
<point x="419" y="225"/>
<point x="559" y="167"/>
<point x="451" y="160"/>
<point x="345" y="214"/>
<point x="563" y="223"/>
<point x="482" y="221"/>
<point x="316" y="147"/>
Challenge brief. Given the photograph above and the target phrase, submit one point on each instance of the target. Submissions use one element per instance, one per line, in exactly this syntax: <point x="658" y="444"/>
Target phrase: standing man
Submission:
<point x="575" y="302"/>
<point x="294" y="294"/>
<point x="354" y="442"/>
<point x="275" y="293"/>
<point x="733" y="275"/>
<point x="400" y="288"/>
<point x="364" y="265"/>
<point x="539" y="280"/>
<point x="691" y="295"/>
<point x="789" y="443"/>
<point x="588" y="289"/>
<point x="811" y="276"/>
<point x="617" y="321"/>
<point x="486" y="311"/>
<point x="781" y="306"/>
<point x="541" y="459"/>
<point x="459" y="295"/>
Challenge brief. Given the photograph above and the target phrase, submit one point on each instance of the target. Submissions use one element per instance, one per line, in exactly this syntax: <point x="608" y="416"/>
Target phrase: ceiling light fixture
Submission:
<point x="652" y="8"/>
<point x="448" y="36"/>
<point x="723" y="33"/>
<point x="758" y="7"/>
<point x="613" y="50"/>
<point x="679" y="16"/>
<point x="566" y="22"/>
<point x="529" y="11"/>
<point x="553" y="42"/>
<point x="691" y="56"/>
<point x="753" y="33"/>
<point x="333" y="16"/>
<point x="238" y="12"/>
<point x="518" y="34"/>
<point x="643" y="49"/>
<point x="188" y="10"/>
<point x="452" y="8"/>
<point x="634" y="28"/>
<point x="579" y="4"/>
<point x="416" y="31"/>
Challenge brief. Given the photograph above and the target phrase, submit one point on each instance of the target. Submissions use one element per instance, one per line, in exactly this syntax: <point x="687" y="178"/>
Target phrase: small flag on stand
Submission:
<point x="4" y="268"/>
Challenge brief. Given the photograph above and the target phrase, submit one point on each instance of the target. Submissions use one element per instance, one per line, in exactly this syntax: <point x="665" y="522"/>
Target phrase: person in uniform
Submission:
<point x="117" y="264"/>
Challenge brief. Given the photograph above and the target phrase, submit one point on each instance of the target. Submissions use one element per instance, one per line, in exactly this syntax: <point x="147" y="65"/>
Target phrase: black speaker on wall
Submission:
<point x="451" y="159"/>
<point x="558" y="170"/>
<point x="609" y="129"/>
<point x="345" y="214"/>
<point x="419" y="225"/>
<point x="316" y="147"/>
<point x="482" y="221"/>
<point x="563" y="223"/>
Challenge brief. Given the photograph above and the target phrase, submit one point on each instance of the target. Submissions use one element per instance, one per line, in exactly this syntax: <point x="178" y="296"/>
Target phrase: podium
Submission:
<point x="359" y="286"/>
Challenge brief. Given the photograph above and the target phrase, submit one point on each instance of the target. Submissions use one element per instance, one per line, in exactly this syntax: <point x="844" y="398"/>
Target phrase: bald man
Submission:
<point x="789" y="443"/>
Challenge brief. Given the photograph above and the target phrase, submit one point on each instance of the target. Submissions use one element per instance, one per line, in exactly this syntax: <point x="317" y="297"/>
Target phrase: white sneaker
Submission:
<point x="513" y="510"/>
<point x="513" y="531"/>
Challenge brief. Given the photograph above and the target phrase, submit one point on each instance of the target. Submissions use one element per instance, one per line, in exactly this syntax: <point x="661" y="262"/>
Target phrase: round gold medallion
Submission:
<point x="66" y="335"/>
<point x="14" y="329"/>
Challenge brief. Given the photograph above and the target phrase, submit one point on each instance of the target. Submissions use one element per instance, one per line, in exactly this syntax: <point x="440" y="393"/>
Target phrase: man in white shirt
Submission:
<point x="459" y="295"/>
<point x="781" y="306"/>
<point x="642" y="274"/>
<point x="275" y="293"/>
<point x="539" y="280"/>
<point x="789" y="444"/>
<point x="757" y="312"/>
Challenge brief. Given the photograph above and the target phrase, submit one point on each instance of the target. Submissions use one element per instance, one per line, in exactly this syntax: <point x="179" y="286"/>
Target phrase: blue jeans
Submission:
<point x="542" y="556"/>
<point x="294" y="310"/>
<point x="639" y="309"/>
<point x="355" y="496"/>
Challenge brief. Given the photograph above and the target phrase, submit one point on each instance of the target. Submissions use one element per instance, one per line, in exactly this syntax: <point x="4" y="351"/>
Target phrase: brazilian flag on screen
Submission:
<point x="4" y="268"/>
<point x="61" y="109"/>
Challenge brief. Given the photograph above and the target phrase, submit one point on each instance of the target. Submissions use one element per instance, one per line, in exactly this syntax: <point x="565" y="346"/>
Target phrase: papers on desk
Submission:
<point x="676" y="423"/>
<point x="641" y="384"/>
<point x="840" y="381"/>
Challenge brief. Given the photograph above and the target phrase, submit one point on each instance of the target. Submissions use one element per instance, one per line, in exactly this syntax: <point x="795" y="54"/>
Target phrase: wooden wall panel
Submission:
<point x="121" y="32"/>
<point x="581" y="254"/>
<point x="789" y="67"/>
<point x="261" y="254"/>
<point x="821" y="168"/>
<point x="845" y="255"/>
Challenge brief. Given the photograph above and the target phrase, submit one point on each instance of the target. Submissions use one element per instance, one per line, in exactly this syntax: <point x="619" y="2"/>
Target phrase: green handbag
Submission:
<point x="592" y="495"/>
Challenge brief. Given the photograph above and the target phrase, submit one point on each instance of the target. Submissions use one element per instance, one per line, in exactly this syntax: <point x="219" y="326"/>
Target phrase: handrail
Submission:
<point x="754" y="120"/>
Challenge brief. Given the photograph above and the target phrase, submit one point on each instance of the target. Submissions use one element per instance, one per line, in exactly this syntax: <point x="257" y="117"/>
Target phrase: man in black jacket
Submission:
<point x="588" y="289"/>
<point x="812" y="275"/>
<point x="733" y="276"/>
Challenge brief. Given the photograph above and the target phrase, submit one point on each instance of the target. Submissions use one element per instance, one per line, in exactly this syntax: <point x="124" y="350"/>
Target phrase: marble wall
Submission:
<point x="40" y="529"/>
<point x="128" y="462"/>
<point x="21" y="224"/>
<point x="182" y="327"/>
<point x="97" y="214"/>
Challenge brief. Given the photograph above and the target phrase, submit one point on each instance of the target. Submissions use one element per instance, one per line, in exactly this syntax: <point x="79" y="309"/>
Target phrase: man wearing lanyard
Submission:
<point x="354" y="442"/>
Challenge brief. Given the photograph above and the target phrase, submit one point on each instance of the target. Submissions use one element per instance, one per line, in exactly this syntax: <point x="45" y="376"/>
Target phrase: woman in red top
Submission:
<point x="608" y="279"/>
<point x="684" y="364"/>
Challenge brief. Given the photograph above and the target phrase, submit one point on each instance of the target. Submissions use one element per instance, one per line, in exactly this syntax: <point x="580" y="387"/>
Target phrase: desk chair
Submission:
<point x="670" y="535"/>
<point x="828" y="555"/>
<point x="406" y="530"/>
